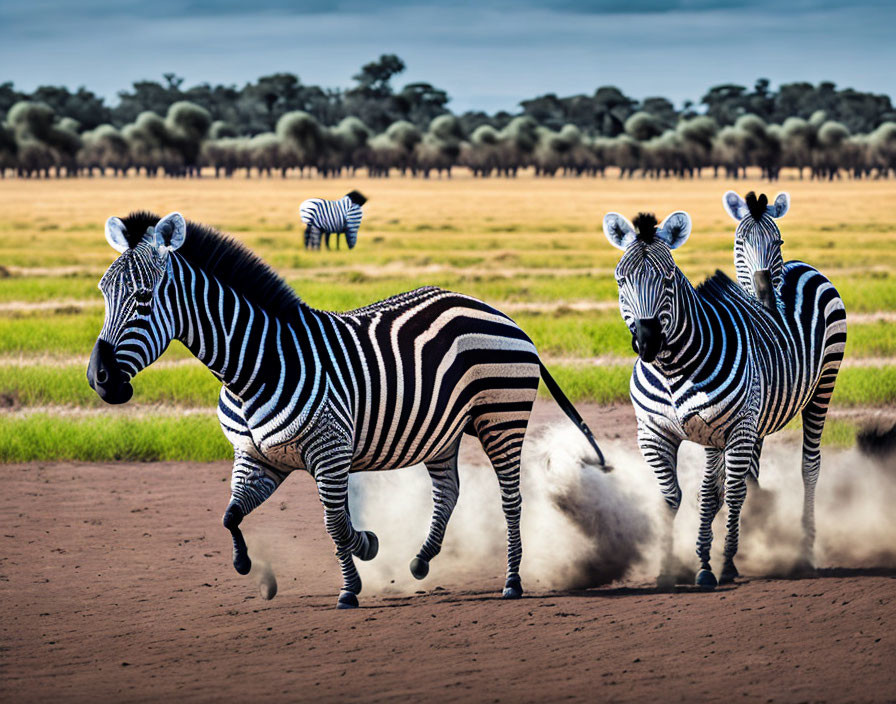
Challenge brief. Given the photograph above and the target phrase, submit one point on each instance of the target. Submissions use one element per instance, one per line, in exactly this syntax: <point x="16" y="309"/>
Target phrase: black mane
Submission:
<point x="356" y="197"/>
<point x="645" y="224"/>
<point x="720" y="287"/>
<point x="227" y="259"/>
<point x="757" y="205"/>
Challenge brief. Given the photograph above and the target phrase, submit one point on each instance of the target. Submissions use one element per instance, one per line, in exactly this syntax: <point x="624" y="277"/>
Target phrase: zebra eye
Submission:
<point x="779" y="242"/>
<point x="143" y="296"/>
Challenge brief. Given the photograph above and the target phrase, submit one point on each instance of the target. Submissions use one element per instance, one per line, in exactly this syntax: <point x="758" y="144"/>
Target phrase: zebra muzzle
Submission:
<point x="106" y="377"/>
<point x="765" y="292"/>
<point x="648" y="338"/>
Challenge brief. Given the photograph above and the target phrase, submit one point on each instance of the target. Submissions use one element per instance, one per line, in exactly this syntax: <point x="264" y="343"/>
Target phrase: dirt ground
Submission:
<point x="116" y="585"/>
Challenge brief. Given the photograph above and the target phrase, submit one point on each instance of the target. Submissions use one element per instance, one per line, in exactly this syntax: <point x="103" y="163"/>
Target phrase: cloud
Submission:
<point x="487" y="55"/>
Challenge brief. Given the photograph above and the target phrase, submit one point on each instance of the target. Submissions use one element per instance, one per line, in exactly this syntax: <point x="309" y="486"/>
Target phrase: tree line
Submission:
<point x="279" y="125"/>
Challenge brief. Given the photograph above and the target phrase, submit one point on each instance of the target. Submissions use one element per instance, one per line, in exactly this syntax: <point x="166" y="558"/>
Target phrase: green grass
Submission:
<point x="560" y="333"/>
<point x="188" y="386"/>
<point x="838" y="432"/>
<point x="859" y="386"/>
<point x="192" y="438"/>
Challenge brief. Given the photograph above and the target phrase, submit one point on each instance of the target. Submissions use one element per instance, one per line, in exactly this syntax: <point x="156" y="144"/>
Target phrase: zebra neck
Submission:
<point x="683" y="348"/>
<point x="239" y="342"/>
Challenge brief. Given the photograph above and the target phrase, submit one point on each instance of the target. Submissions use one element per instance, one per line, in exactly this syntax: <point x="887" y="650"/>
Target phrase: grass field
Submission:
<point x="531" y="247"/>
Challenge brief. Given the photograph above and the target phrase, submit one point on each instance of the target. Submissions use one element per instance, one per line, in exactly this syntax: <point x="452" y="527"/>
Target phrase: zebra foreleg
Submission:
<point x="661" y="453"/>
<point x="251" y="483"/>
<point x="738" y="460"/>
<point x="711" y="493"/>
<point x="445" y="489"/>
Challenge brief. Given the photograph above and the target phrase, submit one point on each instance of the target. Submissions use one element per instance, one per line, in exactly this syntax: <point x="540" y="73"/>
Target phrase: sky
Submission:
<point x="487" y="54"/>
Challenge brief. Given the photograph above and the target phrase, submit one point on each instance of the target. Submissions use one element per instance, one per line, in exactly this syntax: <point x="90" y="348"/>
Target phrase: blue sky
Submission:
<point x="487" y="54"/>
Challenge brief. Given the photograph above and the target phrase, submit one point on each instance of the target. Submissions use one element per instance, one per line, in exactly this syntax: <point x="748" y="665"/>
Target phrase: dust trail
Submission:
<point x="583" y="528"/>
<point x="580" y="526"/>
<point x="262" y="573"/>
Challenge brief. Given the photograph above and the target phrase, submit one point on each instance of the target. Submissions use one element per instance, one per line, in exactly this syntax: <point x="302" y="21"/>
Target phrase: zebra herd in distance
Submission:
<point x="401" y="381"/>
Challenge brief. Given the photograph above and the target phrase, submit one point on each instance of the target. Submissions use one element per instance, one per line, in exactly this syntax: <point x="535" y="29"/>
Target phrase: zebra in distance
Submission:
<point x="718" y="368"/>
<point x="328" y="217"/>
<point x="391" y="385"/>
<point x="757" y="243"/>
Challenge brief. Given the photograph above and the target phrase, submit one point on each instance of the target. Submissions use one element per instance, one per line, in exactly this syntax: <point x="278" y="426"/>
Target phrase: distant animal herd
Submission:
<point x="399" y="382"/>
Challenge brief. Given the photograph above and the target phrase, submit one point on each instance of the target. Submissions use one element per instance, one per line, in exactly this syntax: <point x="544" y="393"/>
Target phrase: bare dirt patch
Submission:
<point x="116" y="585"/>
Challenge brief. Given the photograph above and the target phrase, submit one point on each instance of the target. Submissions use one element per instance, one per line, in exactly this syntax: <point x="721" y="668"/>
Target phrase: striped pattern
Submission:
<point x="390" y="385"/>
<point x="757" y="247"/>
<point x="330" y="217"/>
<point x="728" y="373"/>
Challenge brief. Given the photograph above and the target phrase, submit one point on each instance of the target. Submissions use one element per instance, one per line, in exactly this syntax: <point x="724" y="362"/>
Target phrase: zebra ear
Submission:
<point x="779" y="208"/>
<point x="735" y="206"/>
<point x="619" y="231"/>
<point x="170" y="232"/>
<point x="675" y="229"/>
<point x="116" y="234"/>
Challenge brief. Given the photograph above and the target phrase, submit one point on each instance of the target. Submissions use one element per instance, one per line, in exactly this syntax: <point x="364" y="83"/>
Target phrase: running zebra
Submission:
<point x="391" y="385"/>
<point x="757" y="243"/>
<point x="328" y="217"/>
<point x="717" y="368"/>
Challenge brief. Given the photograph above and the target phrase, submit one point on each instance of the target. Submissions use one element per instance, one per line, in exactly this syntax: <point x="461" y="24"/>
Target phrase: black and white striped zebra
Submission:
<point x="757" y="243"/>
<point x="391" y="385"/>
<point x="717" y="368"/>
<point x="332" y="217"/>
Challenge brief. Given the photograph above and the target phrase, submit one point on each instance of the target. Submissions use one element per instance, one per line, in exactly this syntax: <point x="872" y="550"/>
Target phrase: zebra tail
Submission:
<point x="571" y="412"/>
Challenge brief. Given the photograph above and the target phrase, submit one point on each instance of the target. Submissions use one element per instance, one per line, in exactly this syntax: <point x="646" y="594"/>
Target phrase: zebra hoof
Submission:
<point x="706" y="580"/>
<point x="347" y="600"/>
<point x="373" y="546"/>
<point x="513" y="589"/>
<point x="419" y="568"/>
<point x="242" y="563"/>
<point x="729" y="574"/>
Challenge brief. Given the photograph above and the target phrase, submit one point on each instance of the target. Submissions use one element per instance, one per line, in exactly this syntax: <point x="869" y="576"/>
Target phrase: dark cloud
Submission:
<point x="487" y="54"/>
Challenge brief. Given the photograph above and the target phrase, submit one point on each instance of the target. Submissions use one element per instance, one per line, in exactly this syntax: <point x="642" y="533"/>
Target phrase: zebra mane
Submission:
<point x="645" y="224"/>
<point x="720" y="287"/>
<point x="227" y="259"/>
<point x="756" y="206"/>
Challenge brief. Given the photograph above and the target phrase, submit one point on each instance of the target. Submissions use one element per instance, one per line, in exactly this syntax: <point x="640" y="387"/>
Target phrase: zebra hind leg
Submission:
<point x="813" y="424"/>
<point x="331" y="475"/>
<point x="712" y="491"/>
<point x="445" y="489"/>
<point x="502" y="441"/>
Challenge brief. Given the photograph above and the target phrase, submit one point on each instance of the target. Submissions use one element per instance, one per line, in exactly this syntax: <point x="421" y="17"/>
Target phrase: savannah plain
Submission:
<point x="115" y="575"/>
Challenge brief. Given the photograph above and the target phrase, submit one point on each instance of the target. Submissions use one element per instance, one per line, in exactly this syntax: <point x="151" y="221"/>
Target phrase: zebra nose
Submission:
<point x="649" y="338"/>
<point x="765" y="292"/>
<point x="104" y="376"/>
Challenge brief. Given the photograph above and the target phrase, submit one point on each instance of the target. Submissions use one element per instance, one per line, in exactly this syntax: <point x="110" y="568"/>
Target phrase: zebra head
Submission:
<point x="646" y="275"/>
<point x="137" y="327"/>
<point x="757" y="243"/>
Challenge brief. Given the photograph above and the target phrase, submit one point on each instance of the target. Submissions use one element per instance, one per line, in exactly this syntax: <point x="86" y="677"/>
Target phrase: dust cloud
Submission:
<point x="583" y="528"/>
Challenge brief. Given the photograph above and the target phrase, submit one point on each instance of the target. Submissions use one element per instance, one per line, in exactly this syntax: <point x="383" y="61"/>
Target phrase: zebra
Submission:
<point x="757" y="243"/>
<point x="327" y="217"/>
<point x="390" y="385"/>
<point x="718" y="368"/>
